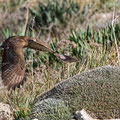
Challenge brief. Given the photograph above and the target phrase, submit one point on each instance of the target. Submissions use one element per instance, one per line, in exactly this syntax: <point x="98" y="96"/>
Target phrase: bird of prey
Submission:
<point x="13" y="63"/>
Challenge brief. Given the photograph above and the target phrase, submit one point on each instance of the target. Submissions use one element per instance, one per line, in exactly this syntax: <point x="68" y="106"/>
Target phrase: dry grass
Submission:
<point x="44" y="77"/>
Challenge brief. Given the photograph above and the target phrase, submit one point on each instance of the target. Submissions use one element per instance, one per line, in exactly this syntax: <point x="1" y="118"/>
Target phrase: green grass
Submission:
<point x="92" y="48"/>
<point x="46" y="71"/>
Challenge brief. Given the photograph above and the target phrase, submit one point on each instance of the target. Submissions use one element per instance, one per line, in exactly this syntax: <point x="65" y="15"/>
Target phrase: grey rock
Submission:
<point x="82" y="115"/>
<point x="97" y="91"/>
<point x="78" y="116"/>
<point x="6" y="112"/>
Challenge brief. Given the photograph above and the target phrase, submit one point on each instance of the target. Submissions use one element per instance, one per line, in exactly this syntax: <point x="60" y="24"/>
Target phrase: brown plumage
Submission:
<point x="13" y="63"/>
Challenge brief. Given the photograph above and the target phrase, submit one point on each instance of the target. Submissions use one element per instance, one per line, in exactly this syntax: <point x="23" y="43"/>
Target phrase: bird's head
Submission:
<point x="20" y="42"/>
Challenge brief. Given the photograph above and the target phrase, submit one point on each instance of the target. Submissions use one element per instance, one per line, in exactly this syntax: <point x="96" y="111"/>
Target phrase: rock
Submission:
<point x="97" y="91"/>
<point x="82" y="115"/>
<point x="6" y="112"/>
<point x="50" y="109"/>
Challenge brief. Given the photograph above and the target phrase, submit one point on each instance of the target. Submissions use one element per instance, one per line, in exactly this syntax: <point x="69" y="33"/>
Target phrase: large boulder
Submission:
<point x="97" y="91"/>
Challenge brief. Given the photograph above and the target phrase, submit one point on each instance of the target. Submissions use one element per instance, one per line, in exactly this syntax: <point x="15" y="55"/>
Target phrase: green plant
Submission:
<point x="81" y="44"/>
<point x="93" y="48"/>
<point x="12" y="5"/>
<point x="54" y="12"/>
<point x="100" y="37"/>
<point x="6" y="33"/>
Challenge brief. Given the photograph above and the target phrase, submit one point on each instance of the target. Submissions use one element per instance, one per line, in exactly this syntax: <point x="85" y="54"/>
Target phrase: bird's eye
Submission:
<point x="7" y="47"/>
<point x="30" y="41"/>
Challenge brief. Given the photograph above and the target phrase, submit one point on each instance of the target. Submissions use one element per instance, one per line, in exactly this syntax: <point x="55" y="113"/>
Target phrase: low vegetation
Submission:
<point x="93" y="48"/>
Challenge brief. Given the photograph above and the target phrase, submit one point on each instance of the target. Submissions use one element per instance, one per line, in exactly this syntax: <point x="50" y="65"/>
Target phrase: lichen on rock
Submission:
<point x="50" y="109"/>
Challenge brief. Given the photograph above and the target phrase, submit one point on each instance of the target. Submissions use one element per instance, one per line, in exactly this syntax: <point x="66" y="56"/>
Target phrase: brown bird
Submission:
<point x="13" y="63"/>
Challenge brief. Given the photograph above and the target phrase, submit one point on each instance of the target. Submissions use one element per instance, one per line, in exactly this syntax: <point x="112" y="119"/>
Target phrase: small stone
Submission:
<point x="82" y="115"/>
<point x="6" y="112"/>
<point x="34" y="119"/>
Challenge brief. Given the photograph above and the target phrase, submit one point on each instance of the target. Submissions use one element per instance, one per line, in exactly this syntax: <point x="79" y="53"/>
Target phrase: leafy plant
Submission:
<point x="102" y="37"/>
<point x="12" y="5"/>
<point x="54" y="12"/>
<point x="6" y="33"/>
<point x="81" y="44"/>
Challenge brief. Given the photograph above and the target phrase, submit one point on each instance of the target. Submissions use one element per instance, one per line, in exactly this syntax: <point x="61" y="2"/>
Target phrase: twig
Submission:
<point x="113" y="27"/>
<point x="33" y="22"/>
<point x="27" y="16"/>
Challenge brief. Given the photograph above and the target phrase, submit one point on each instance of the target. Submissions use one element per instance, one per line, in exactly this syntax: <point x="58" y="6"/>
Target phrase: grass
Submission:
<point x="92" y="48"/>
<point x="46" y="73"/>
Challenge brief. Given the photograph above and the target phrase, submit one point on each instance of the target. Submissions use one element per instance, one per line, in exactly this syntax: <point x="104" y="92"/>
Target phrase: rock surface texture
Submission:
<point x="6" y="112"/>
<point x="50" y="109"/>
<point x="97" y="91"/>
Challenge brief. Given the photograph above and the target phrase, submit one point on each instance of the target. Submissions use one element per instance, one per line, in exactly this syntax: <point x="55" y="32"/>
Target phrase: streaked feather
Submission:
<point x="13" y="64"/>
